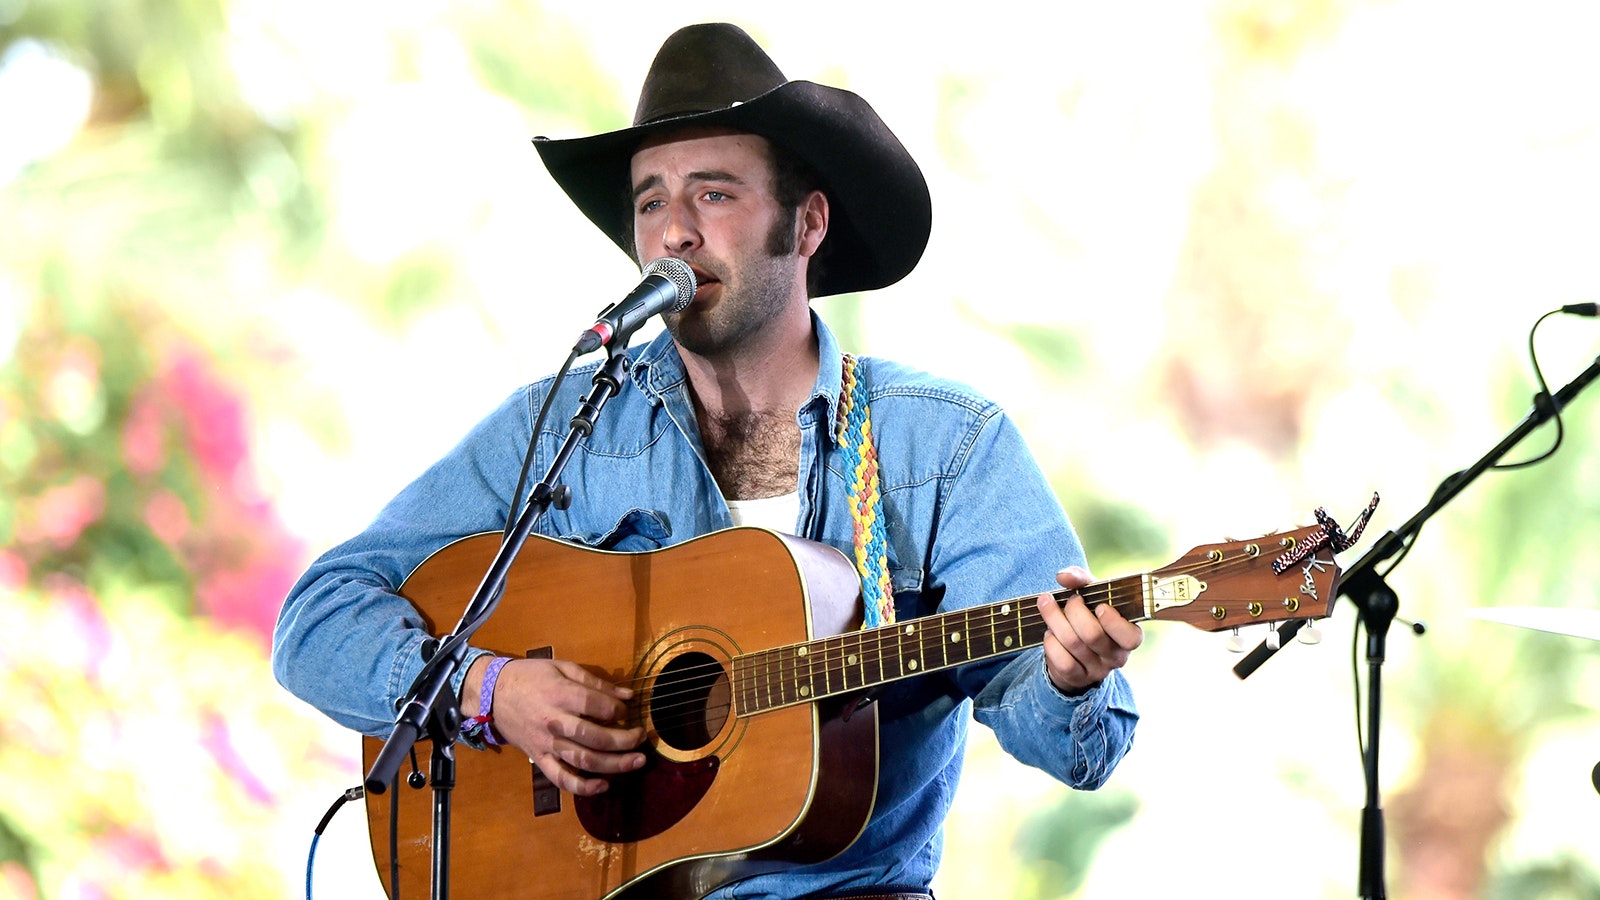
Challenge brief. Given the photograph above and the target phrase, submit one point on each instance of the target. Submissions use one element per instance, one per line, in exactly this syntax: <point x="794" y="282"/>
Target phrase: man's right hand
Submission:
<point x="563" y="717"/>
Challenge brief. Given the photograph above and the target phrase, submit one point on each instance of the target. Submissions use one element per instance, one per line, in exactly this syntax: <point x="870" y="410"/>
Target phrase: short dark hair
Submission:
<point x="793" y="180"/>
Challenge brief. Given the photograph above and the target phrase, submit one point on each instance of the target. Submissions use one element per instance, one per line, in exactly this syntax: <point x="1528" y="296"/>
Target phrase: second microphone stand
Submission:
<point x="1377" y="605"/>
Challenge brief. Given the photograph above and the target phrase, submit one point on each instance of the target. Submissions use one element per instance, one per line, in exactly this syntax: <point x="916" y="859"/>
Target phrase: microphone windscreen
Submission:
<point x="678" y="272"/>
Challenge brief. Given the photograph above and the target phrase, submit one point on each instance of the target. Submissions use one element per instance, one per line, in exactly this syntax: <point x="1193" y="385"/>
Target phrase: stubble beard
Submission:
<point x="761" y="293"/>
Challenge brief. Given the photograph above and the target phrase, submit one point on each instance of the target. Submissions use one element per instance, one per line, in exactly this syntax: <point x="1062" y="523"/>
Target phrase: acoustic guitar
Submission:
<point x="745" y="651"/>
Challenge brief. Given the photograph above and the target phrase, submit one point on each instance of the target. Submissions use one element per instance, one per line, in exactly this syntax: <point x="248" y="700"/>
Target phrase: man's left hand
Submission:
<point x="1083" y="646"/>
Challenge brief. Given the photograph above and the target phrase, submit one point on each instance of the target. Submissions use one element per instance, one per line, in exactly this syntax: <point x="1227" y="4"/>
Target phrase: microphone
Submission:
<point x="668" y="286"/>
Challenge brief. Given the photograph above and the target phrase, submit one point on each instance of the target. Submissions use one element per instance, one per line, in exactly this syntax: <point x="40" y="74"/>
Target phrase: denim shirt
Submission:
<point x="970" y="520"/>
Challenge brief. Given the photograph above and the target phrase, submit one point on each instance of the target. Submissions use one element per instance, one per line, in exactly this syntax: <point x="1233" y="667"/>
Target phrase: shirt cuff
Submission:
<point x="1073" y="712"/>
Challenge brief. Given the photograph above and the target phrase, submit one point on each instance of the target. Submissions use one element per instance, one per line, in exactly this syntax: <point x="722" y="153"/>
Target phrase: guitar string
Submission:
<point x="668" y="709"/>
<point x="1125" y="591"/>
<point x="1100" y="593"/>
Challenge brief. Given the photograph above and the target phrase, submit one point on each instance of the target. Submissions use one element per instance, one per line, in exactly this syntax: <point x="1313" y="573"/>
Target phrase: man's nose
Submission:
<point x="682" y="232"/>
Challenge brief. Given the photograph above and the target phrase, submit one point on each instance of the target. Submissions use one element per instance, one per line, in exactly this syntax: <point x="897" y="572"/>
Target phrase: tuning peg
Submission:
<point x="1235" y="642"/>
<point x="1274" y="639"/>
<point x="1310" y="633"/>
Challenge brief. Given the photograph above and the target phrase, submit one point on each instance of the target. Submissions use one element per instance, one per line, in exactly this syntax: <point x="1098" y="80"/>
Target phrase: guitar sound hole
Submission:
<point x="689" y="703"/>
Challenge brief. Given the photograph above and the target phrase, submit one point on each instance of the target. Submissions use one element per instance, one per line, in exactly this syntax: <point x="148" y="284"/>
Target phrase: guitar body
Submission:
<point x="744" y="648"/>
<point x="722" y="796"/>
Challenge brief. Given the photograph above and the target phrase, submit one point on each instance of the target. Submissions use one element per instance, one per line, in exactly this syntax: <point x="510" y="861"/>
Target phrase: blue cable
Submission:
<point x="355" y="793"/>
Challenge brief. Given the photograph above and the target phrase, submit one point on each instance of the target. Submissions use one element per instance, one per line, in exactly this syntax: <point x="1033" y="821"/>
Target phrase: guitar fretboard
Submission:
<point x="828" y="667"/>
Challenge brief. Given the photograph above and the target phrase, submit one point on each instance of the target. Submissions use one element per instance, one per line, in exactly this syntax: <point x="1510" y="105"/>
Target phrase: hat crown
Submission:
<point x="702" y="68"/>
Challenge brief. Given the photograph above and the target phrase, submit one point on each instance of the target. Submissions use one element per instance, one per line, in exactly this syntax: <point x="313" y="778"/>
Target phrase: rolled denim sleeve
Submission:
<point x="1078" y="740"/>
<point x="1004" y="535"/>
<point x="346" y="642"/>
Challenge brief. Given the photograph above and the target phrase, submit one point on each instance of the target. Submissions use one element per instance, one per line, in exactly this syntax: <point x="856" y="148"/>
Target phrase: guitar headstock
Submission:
<point x="1232" y="584"/>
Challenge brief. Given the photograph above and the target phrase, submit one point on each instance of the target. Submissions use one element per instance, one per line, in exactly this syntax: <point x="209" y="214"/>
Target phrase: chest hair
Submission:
<point x="752" y="455"/>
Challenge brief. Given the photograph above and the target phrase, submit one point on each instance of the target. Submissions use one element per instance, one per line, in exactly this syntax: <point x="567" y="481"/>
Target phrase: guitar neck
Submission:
<point x="828" y="667"/>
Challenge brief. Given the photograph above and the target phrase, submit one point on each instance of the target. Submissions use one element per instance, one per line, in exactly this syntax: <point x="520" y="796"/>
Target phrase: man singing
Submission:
<point x="773" y="192"/>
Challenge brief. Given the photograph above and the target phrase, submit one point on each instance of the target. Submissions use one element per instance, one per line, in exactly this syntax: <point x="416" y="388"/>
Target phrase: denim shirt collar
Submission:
<point x="658" y="370"/>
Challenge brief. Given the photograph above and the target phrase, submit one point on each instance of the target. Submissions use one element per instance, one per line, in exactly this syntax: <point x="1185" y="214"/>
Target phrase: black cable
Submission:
<point x="533" y="443"/>
<point x="465" y="631"/>
<point x="1541" y="399"/>
<point x="1355" y="680"/>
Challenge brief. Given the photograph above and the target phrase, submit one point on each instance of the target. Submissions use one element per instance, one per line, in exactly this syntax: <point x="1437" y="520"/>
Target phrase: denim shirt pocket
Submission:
<point x="907" y="586"/>
<point x="638" y="529"/>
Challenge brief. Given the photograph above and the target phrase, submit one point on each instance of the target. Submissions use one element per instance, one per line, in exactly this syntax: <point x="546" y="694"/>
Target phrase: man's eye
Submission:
<point x="716" y="196"/>
<point x="650" y="206"/>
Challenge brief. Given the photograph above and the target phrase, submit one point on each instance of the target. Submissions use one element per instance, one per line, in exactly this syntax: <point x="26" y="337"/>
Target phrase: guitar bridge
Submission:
<point x="546" y="796"/>
<point x="1165" y="593"/>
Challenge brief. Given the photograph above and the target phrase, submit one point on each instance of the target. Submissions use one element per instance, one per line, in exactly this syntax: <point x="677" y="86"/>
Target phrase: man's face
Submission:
<point x="706" y="197"/>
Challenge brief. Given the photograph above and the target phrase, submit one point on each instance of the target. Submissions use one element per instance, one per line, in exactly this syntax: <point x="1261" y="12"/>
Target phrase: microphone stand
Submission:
<point x="1377" y="604"/>
<point x="421" y="710"/>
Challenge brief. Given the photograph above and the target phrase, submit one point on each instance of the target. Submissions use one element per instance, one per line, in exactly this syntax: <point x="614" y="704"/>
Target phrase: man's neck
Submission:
<point x="746" y="405"/>
<point x="771" y="377"/>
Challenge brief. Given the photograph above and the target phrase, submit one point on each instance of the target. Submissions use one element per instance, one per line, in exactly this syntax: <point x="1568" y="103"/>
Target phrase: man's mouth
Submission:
<point x="702" y="280"/>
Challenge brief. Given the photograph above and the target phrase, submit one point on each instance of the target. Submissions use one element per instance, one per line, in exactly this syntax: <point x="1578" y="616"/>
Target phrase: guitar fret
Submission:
<point x="1132" y="606"/>
<point x="989" y="632"/>
<point x="980" y="639"/>
<point x="791" y="685"/>
<point x="808" y="690"/>
<point x="772" y="662"/>
<point x="838" y="661"/>
<point x="861" y="661"/>
<point x="914" y="664"/>
<point x="740" y="685"/>
<point x="845" y="666"/>
<point x="1031" y="633"/>
<point x="963" y="640"/>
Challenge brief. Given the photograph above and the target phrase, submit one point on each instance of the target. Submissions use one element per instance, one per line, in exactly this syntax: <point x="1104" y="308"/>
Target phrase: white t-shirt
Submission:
<point x="780" y="513"/>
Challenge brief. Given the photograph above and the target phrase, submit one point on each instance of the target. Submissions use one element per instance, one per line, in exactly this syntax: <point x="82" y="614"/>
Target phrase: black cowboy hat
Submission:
<point x="880" y="211"/>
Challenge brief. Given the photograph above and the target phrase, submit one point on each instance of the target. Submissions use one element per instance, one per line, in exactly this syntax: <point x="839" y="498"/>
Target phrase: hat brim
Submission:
<point x="880" y="212"/>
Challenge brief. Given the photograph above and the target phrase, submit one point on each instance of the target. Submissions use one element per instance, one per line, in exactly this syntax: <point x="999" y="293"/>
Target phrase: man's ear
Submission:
<point x="812" y="223"/>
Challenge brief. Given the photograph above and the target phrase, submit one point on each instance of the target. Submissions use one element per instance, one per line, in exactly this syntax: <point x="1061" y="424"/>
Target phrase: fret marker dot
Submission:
<point x="911" y="629"/>
<point x="801" y="651"/>
<point x="912" y="665"/>
<point x="851" y="659"/>
<point x="955" y="637"/>
<point x="1005" y="610"/>
<point x="1007" y="641"/>
<point x="805" y="691"/>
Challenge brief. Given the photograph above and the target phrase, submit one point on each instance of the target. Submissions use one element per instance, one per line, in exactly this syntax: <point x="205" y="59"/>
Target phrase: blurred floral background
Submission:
<point x="260" y="262"/>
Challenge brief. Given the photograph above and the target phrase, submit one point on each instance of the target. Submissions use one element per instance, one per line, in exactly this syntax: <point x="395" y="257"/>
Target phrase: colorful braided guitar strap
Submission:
<point x="866" y="504"/>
